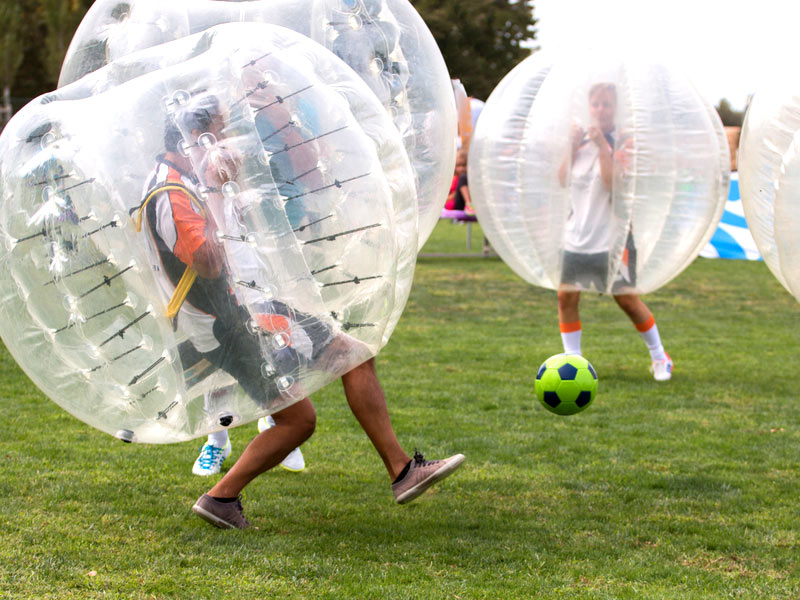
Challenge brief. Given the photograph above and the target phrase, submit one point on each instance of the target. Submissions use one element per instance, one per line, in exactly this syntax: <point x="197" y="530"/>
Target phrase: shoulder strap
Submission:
<point x="167" y="187"/>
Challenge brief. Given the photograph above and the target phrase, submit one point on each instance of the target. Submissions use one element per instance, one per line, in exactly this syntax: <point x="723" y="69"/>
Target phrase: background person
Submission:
<point x="589" y="171"/>
<point x="458" y="198"/>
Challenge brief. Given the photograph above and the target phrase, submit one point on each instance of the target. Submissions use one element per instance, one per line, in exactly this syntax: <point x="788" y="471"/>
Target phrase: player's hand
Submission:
<point x="624" y="156"/>
<point x="595" y="134"/>
<point x="221" y="166"/>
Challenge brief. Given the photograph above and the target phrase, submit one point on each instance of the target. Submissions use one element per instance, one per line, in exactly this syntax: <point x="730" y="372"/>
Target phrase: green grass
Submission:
<point x="681" y="490"/>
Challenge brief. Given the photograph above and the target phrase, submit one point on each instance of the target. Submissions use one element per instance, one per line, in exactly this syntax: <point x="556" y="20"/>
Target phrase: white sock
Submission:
<point x="653" y="341"/>
<point x="571" y="338"/>
<point x="218" y="438"/>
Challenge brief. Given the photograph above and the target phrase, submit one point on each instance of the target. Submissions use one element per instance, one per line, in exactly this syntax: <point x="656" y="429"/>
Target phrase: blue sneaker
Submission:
<point x="210" y="460"/>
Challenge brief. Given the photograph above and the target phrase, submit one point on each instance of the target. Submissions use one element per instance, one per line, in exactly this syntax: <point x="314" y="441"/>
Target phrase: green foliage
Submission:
<point x="11" y="48"/>
<point x="681" y="490"/>
<point x="729" y="117"/>
<point x="45" y="30"/>
<point x="479" y="39"/>
<point x="60" y="19"/>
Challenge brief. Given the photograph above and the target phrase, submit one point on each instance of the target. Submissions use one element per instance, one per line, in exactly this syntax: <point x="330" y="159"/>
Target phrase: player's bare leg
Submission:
<point x="569" y="320"/>
<point x="645" y="323"/>
<point x="365" y="397"/>
<point x="632" y="305"/>
<point x="293" y="426"/>
<point x="410" y="478"/>
<point x="568" y="302"/>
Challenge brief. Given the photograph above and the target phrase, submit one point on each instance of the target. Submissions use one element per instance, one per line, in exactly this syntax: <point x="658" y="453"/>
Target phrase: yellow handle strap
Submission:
<point x="189" y="274"/>
<point x="181" y="291"/>
<point x="169" y="187"/>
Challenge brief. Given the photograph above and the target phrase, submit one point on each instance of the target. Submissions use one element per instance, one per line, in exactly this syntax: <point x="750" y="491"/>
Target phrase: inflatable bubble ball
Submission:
<point x="384" y="41"/>
<point x="769" y="179"/>
<point x="598" y="174"/>
<point x="234" y="207"/>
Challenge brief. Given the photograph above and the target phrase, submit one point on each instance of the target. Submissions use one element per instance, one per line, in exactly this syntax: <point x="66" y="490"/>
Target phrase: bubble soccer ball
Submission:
<point x="606" y="176"/>
<point x="232" y="207"/>
<point x="769" y="179"/>
<point x="384" y="41"/>
<point x="566" y="384"/>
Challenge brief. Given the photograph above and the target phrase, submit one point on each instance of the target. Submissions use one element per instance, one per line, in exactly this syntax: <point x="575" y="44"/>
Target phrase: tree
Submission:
<point x="11" y="53"/>
<point x="60" y="19"/>
<point x="45" y="30"/>
<point x="481" y="40"/>
<point x="730" y="117"/>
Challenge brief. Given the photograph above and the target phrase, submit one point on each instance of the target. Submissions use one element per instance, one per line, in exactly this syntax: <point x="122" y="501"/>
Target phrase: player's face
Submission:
<point x="602" y="108"/>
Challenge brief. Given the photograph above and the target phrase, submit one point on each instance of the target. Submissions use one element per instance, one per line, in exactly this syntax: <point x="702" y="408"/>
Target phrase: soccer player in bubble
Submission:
<point x="182" y="234"/>
<point x="588" y="232"/>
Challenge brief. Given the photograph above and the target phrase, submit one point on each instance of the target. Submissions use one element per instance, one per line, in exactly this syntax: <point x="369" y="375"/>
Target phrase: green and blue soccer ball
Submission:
<point x="566" y="384"/>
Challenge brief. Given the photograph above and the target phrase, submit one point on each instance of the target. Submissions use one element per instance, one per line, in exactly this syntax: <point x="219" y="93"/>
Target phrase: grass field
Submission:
<point x="687" y="489"/>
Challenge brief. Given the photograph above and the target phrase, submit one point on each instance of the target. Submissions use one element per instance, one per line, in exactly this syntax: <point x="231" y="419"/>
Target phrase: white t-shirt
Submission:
<point x="588" y="229"/>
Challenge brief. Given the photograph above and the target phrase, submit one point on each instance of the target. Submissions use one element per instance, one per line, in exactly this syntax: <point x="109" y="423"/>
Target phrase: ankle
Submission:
<point x="402" y="472"/>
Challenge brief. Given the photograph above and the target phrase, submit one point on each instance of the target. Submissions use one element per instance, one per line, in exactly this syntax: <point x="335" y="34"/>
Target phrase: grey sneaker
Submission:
<point x="227" y="515"/>
<point x="422" y="474"/>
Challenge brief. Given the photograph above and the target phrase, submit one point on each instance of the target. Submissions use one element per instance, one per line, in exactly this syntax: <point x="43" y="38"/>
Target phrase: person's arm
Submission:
<point x="209" y="258"/>
<point x="464" y="191"/>
<point x="221" y="166"/>
<point x="576" y="137"/>
<point x="604" y="155"/>
<point x="196" y="243"/>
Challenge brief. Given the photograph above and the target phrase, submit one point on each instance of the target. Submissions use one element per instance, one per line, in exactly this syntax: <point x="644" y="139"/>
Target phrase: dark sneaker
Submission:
<point x="422" y="474"/>
<point x="227" y="515"/>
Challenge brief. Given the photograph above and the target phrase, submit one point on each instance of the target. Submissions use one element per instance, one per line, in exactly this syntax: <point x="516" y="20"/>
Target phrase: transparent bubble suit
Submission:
<point x="667" y="189"/>
<point x="769" y="179"/>
<point x="312" y="194"/>
<point x="384" y="41"/>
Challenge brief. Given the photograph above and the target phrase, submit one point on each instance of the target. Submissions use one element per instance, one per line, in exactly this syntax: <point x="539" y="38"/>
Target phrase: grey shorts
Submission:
<point x="590" y="271"/>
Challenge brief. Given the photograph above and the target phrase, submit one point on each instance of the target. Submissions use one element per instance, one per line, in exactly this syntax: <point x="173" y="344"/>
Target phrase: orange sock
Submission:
<point x="571" y="337"/>
<point x="649" y="332"/>
<point x="642" y="327"/>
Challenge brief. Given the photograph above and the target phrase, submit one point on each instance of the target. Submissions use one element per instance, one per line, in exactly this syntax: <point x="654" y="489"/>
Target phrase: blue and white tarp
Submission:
<point x="732" y="239"/>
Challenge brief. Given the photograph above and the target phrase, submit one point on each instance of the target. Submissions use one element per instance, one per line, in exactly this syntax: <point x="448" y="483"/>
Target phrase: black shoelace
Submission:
<point x="419" y="459"/>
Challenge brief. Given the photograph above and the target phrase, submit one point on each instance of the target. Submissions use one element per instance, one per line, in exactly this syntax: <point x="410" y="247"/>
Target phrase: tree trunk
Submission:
<point x="5" y="109"/>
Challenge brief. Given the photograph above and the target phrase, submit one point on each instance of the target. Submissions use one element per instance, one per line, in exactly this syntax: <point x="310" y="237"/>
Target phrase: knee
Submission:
<point x="627" y="302"/>
<point x="307" y="421"/>
<point x="633" y="306"/>
<point x="301" y="417"/>
<point x="367" y="367"/>
<point x="568" y="299"/>
<point x="354" y="376"/>
<point x="622" y="301"/>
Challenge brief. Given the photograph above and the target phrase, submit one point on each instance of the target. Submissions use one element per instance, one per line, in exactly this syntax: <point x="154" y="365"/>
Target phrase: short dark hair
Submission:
<point x="172" y="135"/>
<point x="199" y="115"/>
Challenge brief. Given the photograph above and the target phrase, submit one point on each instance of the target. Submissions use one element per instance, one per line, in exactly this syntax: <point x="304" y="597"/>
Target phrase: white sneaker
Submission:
<point x="294" y="460"/>
<point x="662" y="369"/>
<point x="210" y="460"/>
